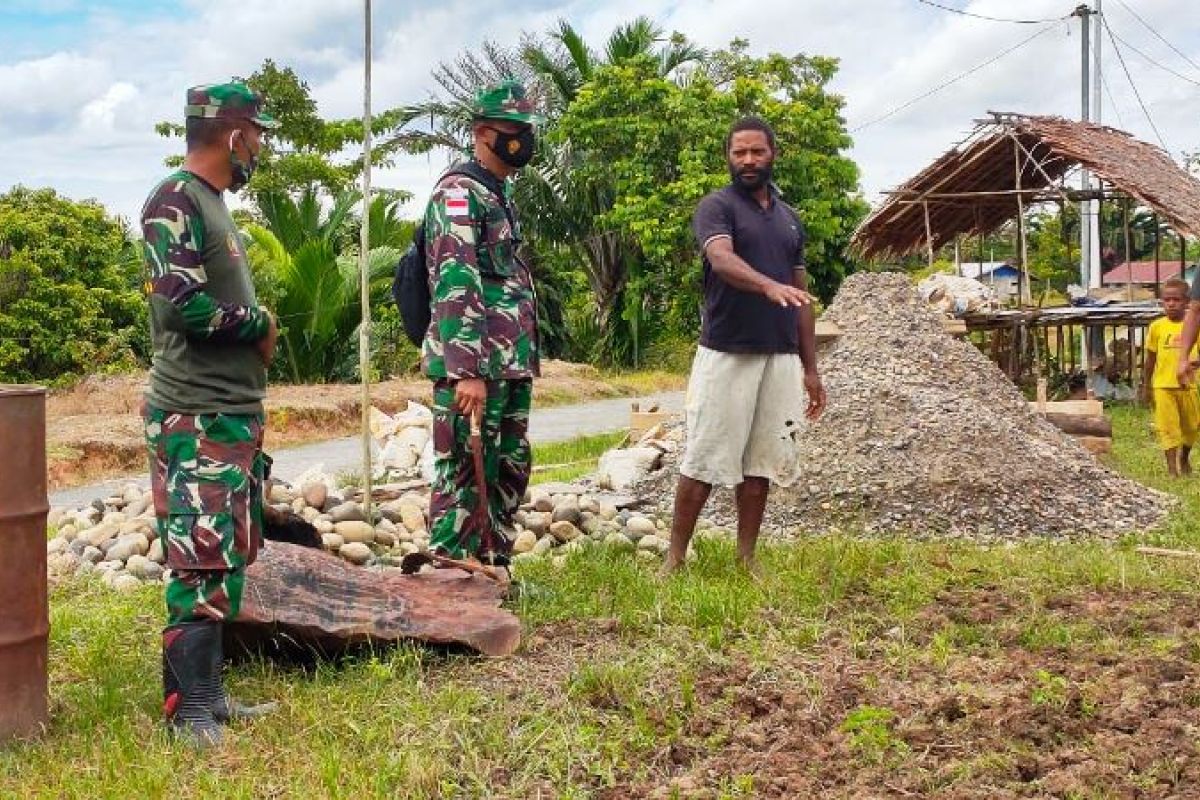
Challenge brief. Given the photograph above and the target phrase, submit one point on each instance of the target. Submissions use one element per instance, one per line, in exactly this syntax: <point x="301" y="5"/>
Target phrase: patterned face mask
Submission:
<point x="514" y="149"/>
<point x="242" y="170"/>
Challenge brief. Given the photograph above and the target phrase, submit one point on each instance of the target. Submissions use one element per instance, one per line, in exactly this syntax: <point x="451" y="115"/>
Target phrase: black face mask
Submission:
<point x="514" y="149"/>
<point x="752" y="183"/>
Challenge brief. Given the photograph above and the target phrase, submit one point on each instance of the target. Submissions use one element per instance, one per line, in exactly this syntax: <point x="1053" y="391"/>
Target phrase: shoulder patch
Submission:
<point x="456" y="200"/>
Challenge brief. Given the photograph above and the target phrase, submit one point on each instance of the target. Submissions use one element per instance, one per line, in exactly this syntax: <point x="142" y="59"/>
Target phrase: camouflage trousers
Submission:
<point x="506" y="460"/>
<point x="206" y="473"/>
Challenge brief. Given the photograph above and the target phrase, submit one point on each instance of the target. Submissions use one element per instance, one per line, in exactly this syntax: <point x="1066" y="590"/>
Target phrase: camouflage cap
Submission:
<point x="505" y="100"/>
<point x="228" y="101"/>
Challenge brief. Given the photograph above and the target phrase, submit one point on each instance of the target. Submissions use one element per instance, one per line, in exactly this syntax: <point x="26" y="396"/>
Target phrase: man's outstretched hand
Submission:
<point x="816" y="395"/>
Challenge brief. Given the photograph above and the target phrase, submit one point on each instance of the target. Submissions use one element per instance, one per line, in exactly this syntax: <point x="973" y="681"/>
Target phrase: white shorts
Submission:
<point x="744" y="413"/>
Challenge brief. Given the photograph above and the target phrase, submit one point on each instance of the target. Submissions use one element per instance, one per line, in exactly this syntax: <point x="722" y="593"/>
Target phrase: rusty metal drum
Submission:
<point x="24" y="608"/>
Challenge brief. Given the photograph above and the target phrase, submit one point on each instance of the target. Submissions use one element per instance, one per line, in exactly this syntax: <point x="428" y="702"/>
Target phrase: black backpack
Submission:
<point x="410" y="284"/>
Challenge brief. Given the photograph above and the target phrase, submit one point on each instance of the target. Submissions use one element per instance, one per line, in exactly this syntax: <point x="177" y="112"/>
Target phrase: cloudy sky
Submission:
<point x="82" y="82"/>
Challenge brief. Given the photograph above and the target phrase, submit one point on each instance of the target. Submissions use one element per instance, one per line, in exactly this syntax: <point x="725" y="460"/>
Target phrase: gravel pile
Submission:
<point x="926" y="436"/>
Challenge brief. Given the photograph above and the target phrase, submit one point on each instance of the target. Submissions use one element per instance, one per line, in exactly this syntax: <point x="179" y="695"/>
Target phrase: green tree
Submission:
<point x="307" y="151"/>
<point x="69" y="289"/>
<point x="302" y="252"/>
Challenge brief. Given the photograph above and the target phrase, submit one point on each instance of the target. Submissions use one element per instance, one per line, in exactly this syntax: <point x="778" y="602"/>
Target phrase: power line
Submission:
<point x="1112" y="101"/>
<point x="1179" y="75"/>
<point x="953" y="10"/>
<point x="953" y="80"/>
<point x="1112" y="38"/>
<point x="1161" y="38"/>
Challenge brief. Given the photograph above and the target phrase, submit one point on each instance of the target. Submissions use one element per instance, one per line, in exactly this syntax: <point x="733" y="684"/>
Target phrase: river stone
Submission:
<point x="537" y="522"/>
<point x="310" y="514"/>
<point x="348" y="512"/>
<point x="332" y="541"/>
<point x="620" y="541"/>
<point x="56" y="545"/>
<point x="280" y="493"/>
<point x="543" y="503"/>
<point x="567" y="510"/>
<point x="92" y="555"/>
<point x="641" y="526"/>
<point x="114" y="516"/>
<point x="138" y="566"/>
<point x="100" y="534"/>
<point x="525" y="542"/>
<point x="68" y="532"/>
<point x="129" y="545"/>
<point x="77" y="546"/>
<point x="355" y="552"/>
<point x="564" y="531"/>
<point x="138" y="507"/>
<point x="544" y="545"/>
<point x="323" y="525"/>
<point x="126" y="583"/>
<point x="55" y="517"/>
<point x="385" y="538"/>
<point x="155" y="553"/>
<point x="407" y="548"/>
<point x="412" y="517"/>
<point x="355" y="531"/>
<point x="315" y="493"/>
<point x="653" y="543"/>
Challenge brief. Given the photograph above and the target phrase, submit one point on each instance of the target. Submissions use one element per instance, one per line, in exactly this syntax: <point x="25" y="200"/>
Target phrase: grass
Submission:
<point x="571" y="459"/>
<point x="624" y="681"/>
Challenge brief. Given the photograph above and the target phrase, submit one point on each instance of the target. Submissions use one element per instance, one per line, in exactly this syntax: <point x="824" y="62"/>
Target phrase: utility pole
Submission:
<point x="1087" y="273"/>
<point x="1097" y="93"/>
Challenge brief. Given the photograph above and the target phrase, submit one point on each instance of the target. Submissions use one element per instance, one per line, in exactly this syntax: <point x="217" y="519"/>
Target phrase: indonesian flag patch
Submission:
<point x="457" y="203"/>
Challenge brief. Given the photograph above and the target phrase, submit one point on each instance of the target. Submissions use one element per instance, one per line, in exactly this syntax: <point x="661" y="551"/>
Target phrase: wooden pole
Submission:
<point x="928" y="233"/>
<point x="1157" y="254"/>
<point x="1025" y="295"/>
<point x="364" y="247"/>
<point x="1128" y="263"/>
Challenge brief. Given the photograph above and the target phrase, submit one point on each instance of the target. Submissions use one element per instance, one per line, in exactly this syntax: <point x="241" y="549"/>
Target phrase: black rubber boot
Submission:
<point x="225" y="709"/>
<point x="189" y="688"/>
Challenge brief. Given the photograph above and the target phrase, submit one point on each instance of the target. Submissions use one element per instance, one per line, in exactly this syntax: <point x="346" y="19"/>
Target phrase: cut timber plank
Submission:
<point x="1096" y="445"/>
<point x="828" y="330"/>
<point x="1166" y="551"/>
<point x="1083" y="408"/>
<point x="642" y="421"/>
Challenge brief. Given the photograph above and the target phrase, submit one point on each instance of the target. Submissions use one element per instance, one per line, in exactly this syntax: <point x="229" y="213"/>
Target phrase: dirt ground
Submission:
<point x="94" y="429"/>
<point x="1000" y="716"/>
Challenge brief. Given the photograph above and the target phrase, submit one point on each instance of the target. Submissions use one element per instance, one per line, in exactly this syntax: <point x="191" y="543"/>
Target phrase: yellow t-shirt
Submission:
<point x="1163" y="339"/>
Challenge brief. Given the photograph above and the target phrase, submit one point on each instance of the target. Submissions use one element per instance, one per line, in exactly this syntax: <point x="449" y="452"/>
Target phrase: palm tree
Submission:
<point x="308" y="253"/>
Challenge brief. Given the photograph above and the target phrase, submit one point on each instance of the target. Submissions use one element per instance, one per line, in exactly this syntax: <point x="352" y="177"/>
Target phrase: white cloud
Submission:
<point x="101" y="113"/>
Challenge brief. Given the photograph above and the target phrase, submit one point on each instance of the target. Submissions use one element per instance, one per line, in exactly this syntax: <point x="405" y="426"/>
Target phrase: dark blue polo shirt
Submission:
<point x="771" y="240"/>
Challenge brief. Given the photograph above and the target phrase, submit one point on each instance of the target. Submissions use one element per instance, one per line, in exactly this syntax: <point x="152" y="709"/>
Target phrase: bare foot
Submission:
<point x="670" y="567"/>
<point x="751" y="566"/>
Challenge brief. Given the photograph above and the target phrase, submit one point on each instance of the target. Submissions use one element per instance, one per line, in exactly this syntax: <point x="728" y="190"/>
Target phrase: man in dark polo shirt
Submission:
<point x="757" y="346"/>
<point x="1186" y="371"/>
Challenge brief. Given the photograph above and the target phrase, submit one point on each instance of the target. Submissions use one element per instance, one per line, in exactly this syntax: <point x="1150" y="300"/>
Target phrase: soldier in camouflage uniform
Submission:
<point x="204" y="412"/>
<point x="481" y="349"/>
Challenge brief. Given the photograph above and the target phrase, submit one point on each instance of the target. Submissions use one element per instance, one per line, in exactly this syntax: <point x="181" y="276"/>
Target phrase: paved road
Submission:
<point x="340" y="455"/>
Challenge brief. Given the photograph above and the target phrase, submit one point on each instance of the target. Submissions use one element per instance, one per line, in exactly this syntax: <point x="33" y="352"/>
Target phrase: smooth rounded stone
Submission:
<point x="132" y="494"/>
<point x="92" y="555"/>
<point x="592" y="525"/>
<point x="412" y="517"/>
<point x="101" y="533"/>
<point x="55" y="517"/>
<point x="154" y="571"/>
<point x="623" y="517"/>
<point x="56" y="545"/>
<point x="385" y="538"/>
<point x="355" y="552"/>
<point x="156" y="552"/>
<point x="85" y="568"/>
<point x="348" y="512"/>
<point x="538" y="522"/>
<point x="564" y="531"/>
<point x="323" y="525"/>
<point x="620" y="541"/>
<point x="332" y="501"/>
<point x="141" y="526"/>
<point x="309" y="514"/>
<point x="607" y="511"/>
<point x="544" y="545"/>
<point x="78" y="546"/>
<point x="519" y="516"/>
<point x="299" y="506"/>
<point x="641" y="526"/>
<point x="68" y="532"/>
<point x="126" y="583"/>
<point x="647" y="555"/>
<point x="114" y="516"/>
<point x="407" y="548"/>
<point x="140" y="566"/>
<point x="589" y="504"/>
<point x="280" y="493"/>
<point x="314" y="493"/>
<point x="129" y="545"/>
<point x="332" y="541"/>
<point x="355" y="531"/>
<point x="543" y="503"/>
<point x="138" y="507"/>
<point x="567" y="511"/>
<point x="525" y="542"/>
<point x="110" y="566"/>
<point x="62" y="563"/>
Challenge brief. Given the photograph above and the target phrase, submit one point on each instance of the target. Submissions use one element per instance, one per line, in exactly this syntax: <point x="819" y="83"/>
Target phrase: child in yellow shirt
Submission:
<point x="1176" y="407"/>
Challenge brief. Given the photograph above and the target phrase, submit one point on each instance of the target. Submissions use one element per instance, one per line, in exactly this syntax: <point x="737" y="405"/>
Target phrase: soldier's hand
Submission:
<point x="784" y="295"/>
<point x="469" y="396"/>
<point x="266" y="345"/>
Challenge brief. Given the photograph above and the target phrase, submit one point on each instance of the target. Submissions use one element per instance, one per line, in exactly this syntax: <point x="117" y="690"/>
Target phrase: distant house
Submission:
<point x="1143" y="273"/>
<point x="1000" y="275"/>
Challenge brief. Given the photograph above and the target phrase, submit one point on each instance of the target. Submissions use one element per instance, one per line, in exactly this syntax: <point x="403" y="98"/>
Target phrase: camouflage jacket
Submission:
<point x="484" y="321"/>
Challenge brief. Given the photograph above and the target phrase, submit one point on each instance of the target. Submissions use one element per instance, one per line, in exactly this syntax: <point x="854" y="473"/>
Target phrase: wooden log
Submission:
<point x="1166" y="551"/>
<point x="1085" y="408"/>
<point x="1081" y="425"/>
<point x="299" y="596"/>
<point x="1096" y="445"/>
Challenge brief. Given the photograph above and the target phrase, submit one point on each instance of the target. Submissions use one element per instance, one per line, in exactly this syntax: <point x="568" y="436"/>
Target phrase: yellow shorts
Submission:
<point x="1176" y="417"/>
